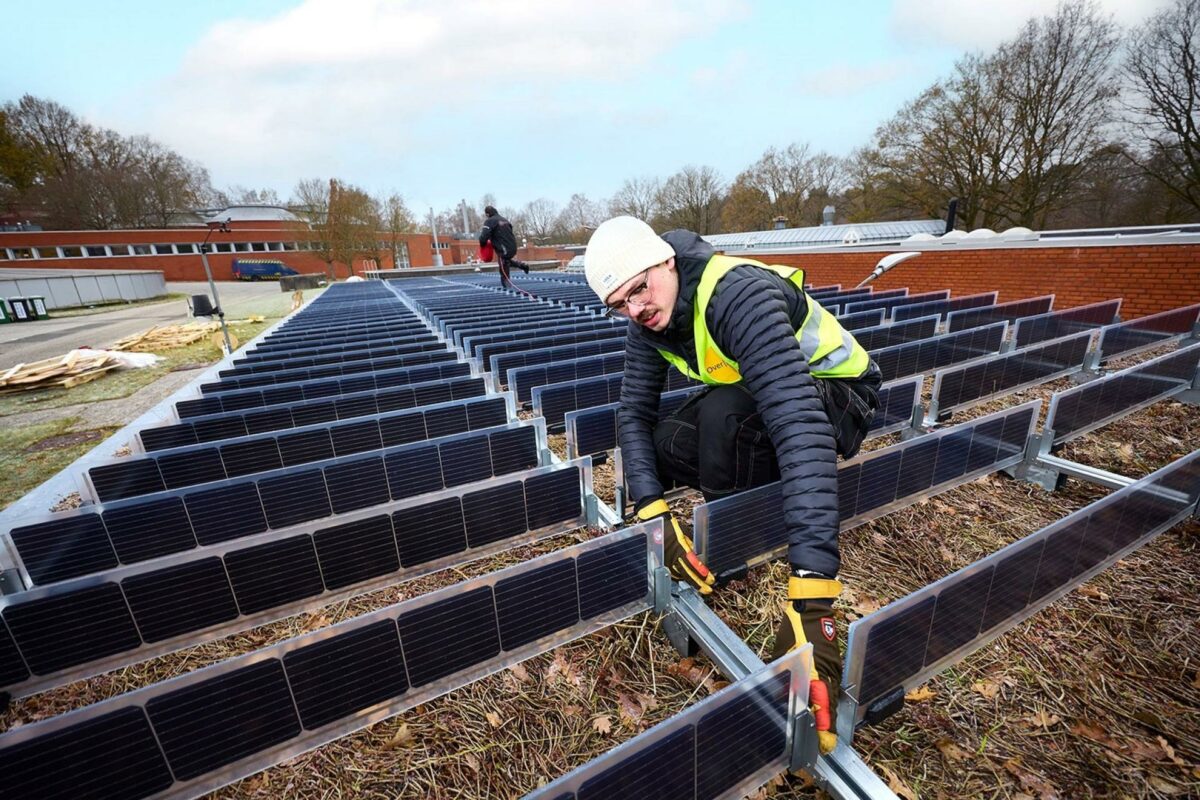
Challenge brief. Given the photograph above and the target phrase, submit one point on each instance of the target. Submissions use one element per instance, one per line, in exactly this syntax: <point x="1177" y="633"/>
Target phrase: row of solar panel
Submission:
<point x="421" y="353"/>
<point x="725" y="746"/>
<point x="233" y="424"/>
<point x="917" y="636"/>
<point x="1148" y="332"/>
<point x="749" y="527"/>
<point x="545" y="328"/>
<point x="199" y="731"/>
<point x="369" y="350"/>
<point x="49" y="634"/>
<point x="942" y="307"/>
<point x="993" y="376"/>
<point x="307" y="390"/>
<point x="1075" y="411"/>
<point x="190" y="465"/>
<point x="96" y="538"/>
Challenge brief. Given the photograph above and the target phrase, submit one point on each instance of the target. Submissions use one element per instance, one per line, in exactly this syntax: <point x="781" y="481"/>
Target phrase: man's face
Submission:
<point x="648" y="298"/>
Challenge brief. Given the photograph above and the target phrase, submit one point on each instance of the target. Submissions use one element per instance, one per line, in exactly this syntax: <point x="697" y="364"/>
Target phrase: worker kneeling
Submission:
<point x="787" y="390"/>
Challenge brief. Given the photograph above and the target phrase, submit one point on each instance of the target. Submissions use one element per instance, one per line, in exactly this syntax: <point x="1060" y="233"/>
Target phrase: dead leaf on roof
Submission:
<point x="1166" y="787"/>
<point x="920" y="695"/>
<point x="1035" y="784"/>
<point x="987" y="688"/>
<point x="897" y="785"/>
<point x="402" y="738"/>
<point x="1042" y="719"/>
<point x="520" y="673"/>
<point x="494" y="719"/>
<point x="952" y="751"/>
<point x="602" y="724"/>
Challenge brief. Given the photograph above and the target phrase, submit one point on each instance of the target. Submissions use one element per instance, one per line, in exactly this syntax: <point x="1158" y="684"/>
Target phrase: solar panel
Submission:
<point x="993" y="376"/>
<point x="927" y="355"/>
<point x="308" y="390"/>
<point x="521" y="380"/>
<point x="1143" y="333"/>
<point x="903" y="644"/>
<point x="486" y="353"/>
<point x="196" y="464"/>
<point x="398" y="368"/>
<point x="1057" y="324"/>
<point x="1007" y="312"/>
<point x="229" y="425"/>
<point x="889" y="303"/>
<point x="882" y="336"/>
<point x="291" y="495"/>
<point x="1080" y="409"/>
<point x="943" y="307"/>
<point x="549" y="328"/>
<point x="501" y="364"/>
<point x="864" y="319"/>
<point x="553" y="401"/>
<point x="287" y="698"/>
<point x="748" y="528"/>
<point x="407" y="355"/>
<point x="725" y="746"/>
<point x="77" y="628"/>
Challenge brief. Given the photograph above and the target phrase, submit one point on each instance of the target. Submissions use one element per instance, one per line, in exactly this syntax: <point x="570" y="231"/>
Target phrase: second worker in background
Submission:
<point x="788" y="389"/>
<point x="499" y="233"/>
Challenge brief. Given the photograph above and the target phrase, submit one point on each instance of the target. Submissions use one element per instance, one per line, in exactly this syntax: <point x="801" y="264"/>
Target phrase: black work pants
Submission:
<point x="717" y="442"/>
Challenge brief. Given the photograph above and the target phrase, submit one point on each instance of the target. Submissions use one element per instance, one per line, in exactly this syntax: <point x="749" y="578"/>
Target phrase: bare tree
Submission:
<point x="637" y="197"/>
<point x="578" y="219"/>
<point x="791" y="183"/>
<point x="1162" y="72"/>
<point x="1058" y="86"/>
<point x="310" y="200"/>
<point x="692" y="199"/>
<point x="537" y="219"/>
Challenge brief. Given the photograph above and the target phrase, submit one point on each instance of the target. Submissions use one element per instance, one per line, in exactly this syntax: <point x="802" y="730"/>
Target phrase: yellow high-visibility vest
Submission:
<point x="832" y="352"/>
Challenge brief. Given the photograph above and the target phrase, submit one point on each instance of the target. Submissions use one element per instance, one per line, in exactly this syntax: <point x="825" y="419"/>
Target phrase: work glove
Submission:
<point x="808" y="617"/>
<point x="678" y="551"/>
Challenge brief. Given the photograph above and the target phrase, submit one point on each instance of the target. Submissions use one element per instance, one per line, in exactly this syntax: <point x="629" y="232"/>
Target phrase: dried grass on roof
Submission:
<point x="1096" y="696"/>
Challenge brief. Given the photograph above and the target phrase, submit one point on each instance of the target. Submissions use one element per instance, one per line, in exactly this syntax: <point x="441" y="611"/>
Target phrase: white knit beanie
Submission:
<point x="619" y="249"/>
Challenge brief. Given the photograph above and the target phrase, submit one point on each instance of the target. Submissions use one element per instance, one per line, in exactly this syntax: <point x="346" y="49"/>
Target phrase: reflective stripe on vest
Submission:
<point x="832" y="352"/>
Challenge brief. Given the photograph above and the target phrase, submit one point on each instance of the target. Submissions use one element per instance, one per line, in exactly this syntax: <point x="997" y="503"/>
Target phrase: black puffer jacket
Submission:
<point x="753" y="316"/>
<point x="498" y="231"/>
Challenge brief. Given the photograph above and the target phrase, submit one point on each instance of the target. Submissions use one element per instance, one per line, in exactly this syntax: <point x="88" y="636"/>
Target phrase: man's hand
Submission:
<point x="808" y="617"/>
<point x="678" y="551"/>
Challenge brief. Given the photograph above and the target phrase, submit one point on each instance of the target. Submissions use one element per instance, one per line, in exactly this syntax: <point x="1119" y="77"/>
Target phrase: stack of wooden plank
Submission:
<point x="76" y="367"/>
<point x="166" y="337"/>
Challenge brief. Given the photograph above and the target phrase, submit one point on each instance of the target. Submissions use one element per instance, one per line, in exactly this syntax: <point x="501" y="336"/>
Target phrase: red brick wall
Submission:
<point x="1150" y="278"/>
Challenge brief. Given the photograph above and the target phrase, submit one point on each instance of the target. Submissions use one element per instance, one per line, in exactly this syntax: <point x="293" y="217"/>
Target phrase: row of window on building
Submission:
<point x="166" y="249"/>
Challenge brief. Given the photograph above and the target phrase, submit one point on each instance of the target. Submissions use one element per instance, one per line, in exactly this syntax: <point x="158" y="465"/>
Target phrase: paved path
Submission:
<point x="32" y="341"/>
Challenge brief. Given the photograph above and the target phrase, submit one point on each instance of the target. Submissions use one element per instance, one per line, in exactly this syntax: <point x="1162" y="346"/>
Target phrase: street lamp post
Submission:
<point x="213" y="227"/>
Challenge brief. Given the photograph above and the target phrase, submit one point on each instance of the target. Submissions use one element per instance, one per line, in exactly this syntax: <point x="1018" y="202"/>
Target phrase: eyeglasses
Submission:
<point x="636" y="297"/>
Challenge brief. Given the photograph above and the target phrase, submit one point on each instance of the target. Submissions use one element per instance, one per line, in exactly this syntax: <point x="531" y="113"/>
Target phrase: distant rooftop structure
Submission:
<point x="861" y="233"/>
<point x="249" y="213"/>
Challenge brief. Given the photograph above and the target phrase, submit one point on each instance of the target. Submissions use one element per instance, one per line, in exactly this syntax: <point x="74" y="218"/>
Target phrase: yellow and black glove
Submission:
<point x="678" y="551"/>
<point x="808" y="617"/>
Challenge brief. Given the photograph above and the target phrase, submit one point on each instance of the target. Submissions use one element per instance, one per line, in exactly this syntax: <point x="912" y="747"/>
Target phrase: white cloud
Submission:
<point x="334" y="80"/>
<point x="841" y="80"/>
<point x="983" y="24"/>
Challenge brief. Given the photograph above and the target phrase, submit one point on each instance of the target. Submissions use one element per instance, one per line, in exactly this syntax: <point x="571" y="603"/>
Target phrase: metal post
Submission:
<point x="216" y="298"/>
<point x="437" y="254"/>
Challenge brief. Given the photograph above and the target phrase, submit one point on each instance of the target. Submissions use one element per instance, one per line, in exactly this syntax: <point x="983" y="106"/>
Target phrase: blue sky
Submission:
<point x="446" y="99"/>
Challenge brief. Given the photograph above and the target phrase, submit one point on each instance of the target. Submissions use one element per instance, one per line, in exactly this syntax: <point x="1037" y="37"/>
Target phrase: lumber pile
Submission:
<point x="168" y="337"/>
<point x="76" y="367"/>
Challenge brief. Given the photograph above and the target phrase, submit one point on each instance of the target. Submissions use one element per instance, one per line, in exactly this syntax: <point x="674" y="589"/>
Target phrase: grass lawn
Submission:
<point x="32" y="453"/>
